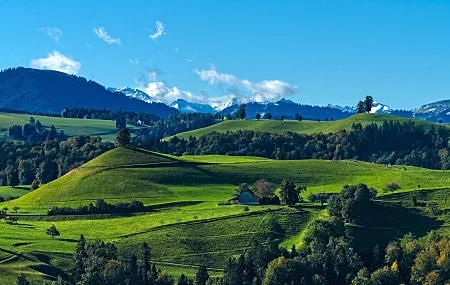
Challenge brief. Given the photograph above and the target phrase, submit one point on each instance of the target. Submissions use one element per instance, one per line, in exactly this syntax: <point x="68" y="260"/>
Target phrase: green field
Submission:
<point x="7" y="191"/>
<point x="71" y="127"/>
<point x="157" y="179"/>
<point x="306" y="127"/>
<point x="188" y="227"/>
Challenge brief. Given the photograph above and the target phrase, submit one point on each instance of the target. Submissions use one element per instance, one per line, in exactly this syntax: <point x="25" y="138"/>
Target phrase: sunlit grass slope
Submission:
<point x="155" y="178"/>
<point x="307" y="127"/>
<point x="71" y="127"/>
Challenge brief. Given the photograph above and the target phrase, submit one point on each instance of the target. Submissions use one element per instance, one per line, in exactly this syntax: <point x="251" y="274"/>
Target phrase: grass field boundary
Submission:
<point x="202" y="221"/>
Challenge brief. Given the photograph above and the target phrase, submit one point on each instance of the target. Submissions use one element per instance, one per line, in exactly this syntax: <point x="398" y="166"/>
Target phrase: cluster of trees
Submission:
<point x="389" y="143"/>
<point x="327" y="257"/>
<point x="351" y="202"/>
<point x="99" y="263"/>
<point x="34" y="131"/>
<point x="23" y="163"/>
<point x="176" y="123"/>
<point x="100" y="207"/>
<point x="365" y="106"/>
<point x="89" y="113"/>
<point x="156" y="127"/>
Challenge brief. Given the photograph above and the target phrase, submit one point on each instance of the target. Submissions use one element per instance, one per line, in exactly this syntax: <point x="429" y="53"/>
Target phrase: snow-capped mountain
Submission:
<point x="288" y="108"/>
<point x="187" y="107"/>
<point x="134" y="93"/>
<point x="434" y="112"/>
<point x="346" y="109"/>
<point x="377" y="108"/>
<point x="220" y="106"/>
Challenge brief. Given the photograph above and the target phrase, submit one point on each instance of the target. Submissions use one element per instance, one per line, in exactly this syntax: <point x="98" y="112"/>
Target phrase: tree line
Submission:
<point x="100" y="207"/>
<point x="392" y="142"/>
<point x="23" y="163"/>
<point x="34" y="131"/>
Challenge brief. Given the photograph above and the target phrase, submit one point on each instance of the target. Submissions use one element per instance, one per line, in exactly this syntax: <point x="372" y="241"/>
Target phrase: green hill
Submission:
<point x="133" y="174"/>
<point x="307" y="127"/>
<point x="71" y="127"/>
<point x="189" y="228"/>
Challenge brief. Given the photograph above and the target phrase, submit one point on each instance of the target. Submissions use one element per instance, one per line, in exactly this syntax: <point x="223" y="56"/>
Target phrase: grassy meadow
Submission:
<point x="184" y="223"/>
<point x="71" y="127"/>
<point x="305" y="126"/>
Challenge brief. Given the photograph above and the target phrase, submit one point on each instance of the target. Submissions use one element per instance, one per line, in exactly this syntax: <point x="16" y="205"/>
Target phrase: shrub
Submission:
<point x="392" y="187"/>
<point x="246" y="209"/>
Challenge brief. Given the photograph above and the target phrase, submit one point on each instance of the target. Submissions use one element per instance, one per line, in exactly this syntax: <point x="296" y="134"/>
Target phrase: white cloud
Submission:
<point x="261" y="91"/>
<point x="53" y="33"/>
<point x="192" y="59"/>
<point x="159" y="31"/>
<point x="102" y="34"/>
<point x="57" y="61"/>
<point x="168" y="95"/>
<point x="133" y="61"/>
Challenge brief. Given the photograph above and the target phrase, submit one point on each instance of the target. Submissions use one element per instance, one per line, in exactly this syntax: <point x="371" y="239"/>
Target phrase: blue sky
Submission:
<point x="313" y="52"/>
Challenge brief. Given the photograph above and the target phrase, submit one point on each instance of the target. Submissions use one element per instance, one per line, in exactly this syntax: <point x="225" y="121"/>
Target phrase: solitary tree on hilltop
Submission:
<point x="240" y="113"/>
<point x="123" y="138"/>
<point x="258" y="116"/>
<point x="368" y="103"/>
<point x="360" y="107"/>
<point x="52" y="231"/>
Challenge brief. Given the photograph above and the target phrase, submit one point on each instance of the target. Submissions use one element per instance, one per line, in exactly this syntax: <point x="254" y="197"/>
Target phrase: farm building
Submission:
<point x="247" y="197"/>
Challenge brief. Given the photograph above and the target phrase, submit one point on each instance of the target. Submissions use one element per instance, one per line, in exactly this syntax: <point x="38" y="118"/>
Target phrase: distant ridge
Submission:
<point x="36" y="90"/>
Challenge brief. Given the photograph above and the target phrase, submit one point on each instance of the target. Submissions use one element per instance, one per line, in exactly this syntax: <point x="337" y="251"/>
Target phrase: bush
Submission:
<point x="246" y="209"/>
<point x="392" y="187"/>
<point x="34" y="185"/>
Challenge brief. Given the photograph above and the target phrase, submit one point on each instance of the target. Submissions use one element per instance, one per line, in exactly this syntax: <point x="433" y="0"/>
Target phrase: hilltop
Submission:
<point x="133" y="174"/>
<point x="307" y="127"/>
<point x="184" y="224"/>
<point x="50" y="91"/>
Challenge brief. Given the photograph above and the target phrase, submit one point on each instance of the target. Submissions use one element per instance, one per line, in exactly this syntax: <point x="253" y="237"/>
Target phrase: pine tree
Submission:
<point x="202" y="276"/>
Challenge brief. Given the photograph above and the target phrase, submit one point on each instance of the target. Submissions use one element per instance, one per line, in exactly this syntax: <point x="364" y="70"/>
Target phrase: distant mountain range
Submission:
<point x="51" y="91"/>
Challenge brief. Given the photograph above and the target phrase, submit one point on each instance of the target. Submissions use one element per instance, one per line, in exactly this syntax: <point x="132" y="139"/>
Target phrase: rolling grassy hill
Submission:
<point x="307" y="127"/>
<point x="134" y="174"/>
<point x="71" y="127"/>
<point x="189" y="228"/>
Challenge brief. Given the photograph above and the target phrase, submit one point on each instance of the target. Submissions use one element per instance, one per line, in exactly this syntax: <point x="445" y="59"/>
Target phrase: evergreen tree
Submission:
<point x="201" y="276"/>
<point x="368" y="102"/>
<point x="360" y="107"/>
<point x="80" y="256"/>
<point x="184" y="280"/>
<point x="288" y="193"/>
<point x="22" y="280"/>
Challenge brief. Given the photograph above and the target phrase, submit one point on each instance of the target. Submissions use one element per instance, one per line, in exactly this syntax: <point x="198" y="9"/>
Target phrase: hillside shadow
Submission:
<point x="385" y="222"/>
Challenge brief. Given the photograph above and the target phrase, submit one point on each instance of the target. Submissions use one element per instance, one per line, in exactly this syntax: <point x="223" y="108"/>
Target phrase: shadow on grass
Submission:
<point x="385" y="222"/>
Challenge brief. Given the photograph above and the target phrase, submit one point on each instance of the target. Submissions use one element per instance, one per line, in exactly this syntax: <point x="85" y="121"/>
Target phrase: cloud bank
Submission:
<point x="57" y="61"/>
<point x="102" y="34"/>
<point x="261" y="91"/>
